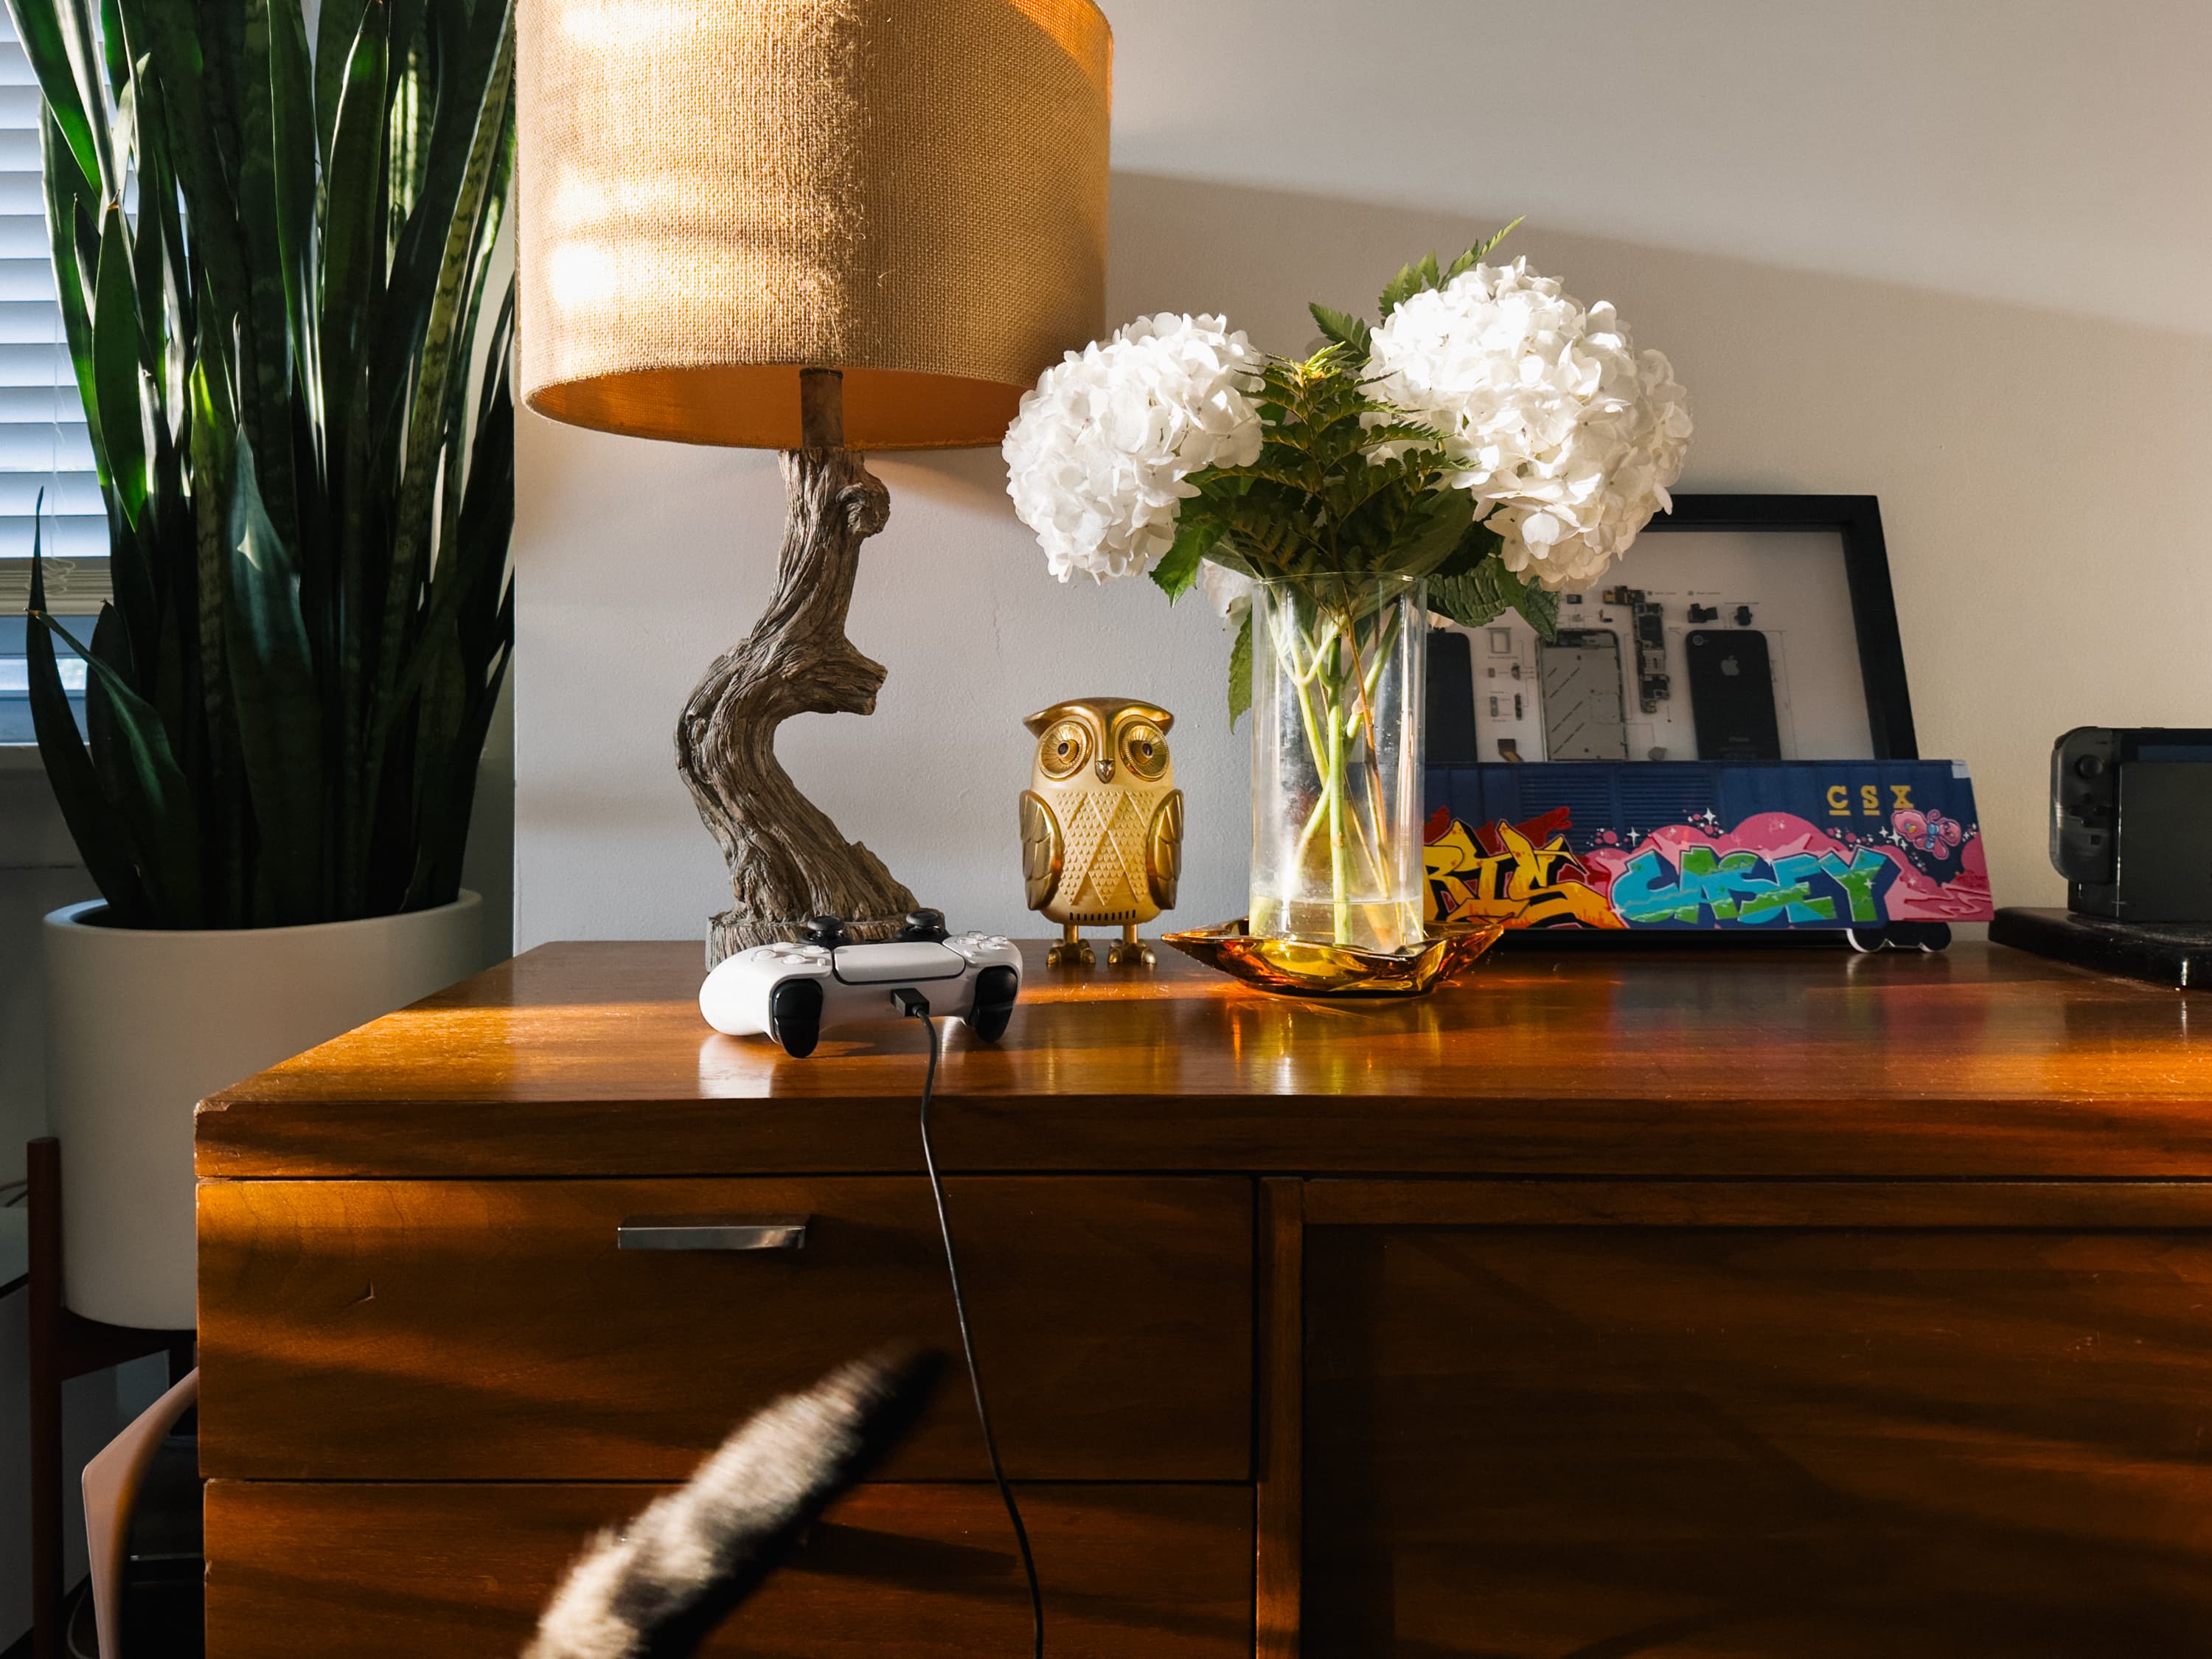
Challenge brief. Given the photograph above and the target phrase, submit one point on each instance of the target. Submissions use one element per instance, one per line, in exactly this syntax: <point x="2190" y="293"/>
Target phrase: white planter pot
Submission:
<point x="141" y="1025"/>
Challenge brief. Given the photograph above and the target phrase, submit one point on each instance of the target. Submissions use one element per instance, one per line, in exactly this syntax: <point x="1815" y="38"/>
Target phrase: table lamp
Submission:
<point x="822" y="226"/>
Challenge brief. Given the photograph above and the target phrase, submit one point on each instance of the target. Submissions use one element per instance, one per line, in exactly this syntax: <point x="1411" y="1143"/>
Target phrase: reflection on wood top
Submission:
<point x="590" y="1059"/>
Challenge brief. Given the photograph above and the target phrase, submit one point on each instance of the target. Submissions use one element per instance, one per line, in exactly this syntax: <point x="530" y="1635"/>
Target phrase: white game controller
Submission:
<point x="794" y="991"/>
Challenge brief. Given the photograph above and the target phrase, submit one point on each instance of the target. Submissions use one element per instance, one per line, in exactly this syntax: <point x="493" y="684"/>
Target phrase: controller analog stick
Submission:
<point x="794" y="1016"/>
<point x="924" y="924"/>
<point x="826" y="931"/>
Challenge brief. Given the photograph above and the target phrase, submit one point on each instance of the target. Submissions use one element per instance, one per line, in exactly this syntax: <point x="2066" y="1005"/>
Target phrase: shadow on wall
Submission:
<point x="2030" y="462"/>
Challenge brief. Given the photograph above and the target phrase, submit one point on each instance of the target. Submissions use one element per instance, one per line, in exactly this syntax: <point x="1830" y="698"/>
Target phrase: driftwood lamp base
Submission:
<point x="788" y="861"/>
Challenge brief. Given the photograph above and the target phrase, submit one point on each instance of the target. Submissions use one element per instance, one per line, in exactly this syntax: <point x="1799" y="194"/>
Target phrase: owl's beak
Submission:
<point x="1105" y="768"/>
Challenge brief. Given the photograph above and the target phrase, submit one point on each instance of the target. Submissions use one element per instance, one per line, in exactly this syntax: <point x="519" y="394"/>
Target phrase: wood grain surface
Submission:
<point x="925" y="1572"/>
<point x="1724" y="1435"/>
<point x="491" y="1330"/>
<point x="592" y="1059"/>
<point x="1279" y="1425"/>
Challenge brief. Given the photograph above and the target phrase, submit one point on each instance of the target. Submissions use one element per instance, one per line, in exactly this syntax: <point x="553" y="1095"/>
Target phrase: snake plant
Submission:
<point x="273" y="255"/>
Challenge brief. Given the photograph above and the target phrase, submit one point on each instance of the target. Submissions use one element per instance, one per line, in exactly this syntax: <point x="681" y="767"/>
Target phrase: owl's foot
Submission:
<point x="1072" y="953"/>
<point x="1130" y="951"/>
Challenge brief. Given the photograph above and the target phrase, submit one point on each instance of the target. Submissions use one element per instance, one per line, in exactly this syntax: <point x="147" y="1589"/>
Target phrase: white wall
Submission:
<point x="1950" y="256"/>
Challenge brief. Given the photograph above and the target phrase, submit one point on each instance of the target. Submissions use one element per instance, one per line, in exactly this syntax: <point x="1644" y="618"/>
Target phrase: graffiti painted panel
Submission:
<point x="1889" y="842"/>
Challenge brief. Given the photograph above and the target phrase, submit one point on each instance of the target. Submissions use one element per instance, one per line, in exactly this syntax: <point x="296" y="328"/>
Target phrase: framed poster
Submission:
<point x="1737" y="628"/>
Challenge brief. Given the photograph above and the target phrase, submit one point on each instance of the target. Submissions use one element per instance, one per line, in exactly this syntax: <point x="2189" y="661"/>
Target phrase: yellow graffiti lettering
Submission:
<point x="1839" y="801"/>
<point x="1524" y="886"/>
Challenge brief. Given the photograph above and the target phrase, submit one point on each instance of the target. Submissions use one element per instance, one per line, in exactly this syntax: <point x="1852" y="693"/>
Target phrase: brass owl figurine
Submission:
<point x="1101" y="823"/>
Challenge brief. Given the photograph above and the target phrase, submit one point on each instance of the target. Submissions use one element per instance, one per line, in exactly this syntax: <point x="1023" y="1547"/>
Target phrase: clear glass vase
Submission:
<point x="1338" y="667"/>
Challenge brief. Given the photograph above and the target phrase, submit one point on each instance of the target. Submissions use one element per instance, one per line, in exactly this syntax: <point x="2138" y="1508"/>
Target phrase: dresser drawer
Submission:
<point x="925" y="1572"/>
<point x="493" y="1330"/>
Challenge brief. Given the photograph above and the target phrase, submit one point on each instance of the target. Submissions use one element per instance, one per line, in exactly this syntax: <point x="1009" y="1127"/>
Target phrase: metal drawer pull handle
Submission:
<point x="712" y="1232"/>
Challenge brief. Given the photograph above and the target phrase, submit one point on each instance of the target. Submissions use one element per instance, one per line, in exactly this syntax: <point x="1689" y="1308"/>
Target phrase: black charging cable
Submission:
<point x="913" y="1004"/>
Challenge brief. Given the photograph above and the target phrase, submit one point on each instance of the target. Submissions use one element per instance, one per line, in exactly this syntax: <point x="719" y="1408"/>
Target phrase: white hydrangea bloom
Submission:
<point x="1558" y="421"/>
<point x="1096" y="460"/>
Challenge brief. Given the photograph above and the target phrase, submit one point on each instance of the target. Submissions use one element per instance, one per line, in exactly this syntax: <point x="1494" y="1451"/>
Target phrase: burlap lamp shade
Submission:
<point x="821" y="226"/>
<point x="716" y="194"/>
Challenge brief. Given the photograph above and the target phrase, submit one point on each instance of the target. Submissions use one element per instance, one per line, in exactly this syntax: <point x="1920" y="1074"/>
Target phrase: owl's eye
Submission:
<point x="1144" y="751"/>
<point x="1065" y="750"/>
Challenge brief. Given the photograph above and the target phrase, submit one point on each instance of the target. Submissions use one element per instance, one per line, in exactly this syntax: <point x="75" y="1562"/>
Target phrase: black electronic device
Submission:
<point x="1732" y="695"/>
<point x="2131" y="822"/>
<point x="1449" y="716"/>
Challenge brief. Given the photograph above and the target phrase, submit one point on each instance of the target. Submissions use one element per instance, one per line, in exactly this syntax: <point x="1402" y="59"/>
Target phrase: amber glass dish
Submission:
<point x="1304" y="967"/>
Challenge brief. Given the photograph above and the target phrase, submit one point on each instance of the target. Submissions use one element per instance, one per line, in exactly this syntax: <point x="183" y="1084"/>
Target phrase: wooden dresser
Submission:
<point x="1718" y="1305"/>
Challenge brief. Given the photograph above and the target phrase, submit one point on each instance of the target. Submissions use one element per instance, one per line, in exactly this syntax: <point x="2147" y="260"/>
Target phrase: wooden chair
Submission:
<point x="64" y="1345"/>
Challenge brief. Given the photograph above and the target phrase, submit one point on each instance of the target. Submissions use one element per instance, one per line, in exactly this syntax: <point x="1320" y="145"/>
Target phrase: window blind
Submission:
<point x="43" y="443"/>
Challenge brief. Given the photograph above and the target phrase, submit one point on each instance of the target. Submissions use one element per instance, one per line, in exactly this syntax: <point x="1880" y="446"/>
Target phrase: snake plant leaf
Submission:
<point x="45" y="29"/>
<point x="438" y="735"/>
<point x="80" y="36"/>
<point x="443" y="841"/>
<point x="65" y="187"/>
<point x="266" y="349"/>
<point x="292" y="128"/>
<point x="151" y="797"/>
<point x="91" y="816"/>
<point x="271" y="349"/>
<point x="115" y="367"/>
<point x="473" y="47"/>
<point x="470" y="617"/>
<point x="353" y="232"/>
<point x="114" y="48"/>
<point x="213" y="447"/>
<point x="164" y="32"/>
<point x="149" y="268"/>
<point x="279" y="719"/>
<point x="104" y="736"/>
<point x="338" y="25"/>
<point x="430" y="417"/>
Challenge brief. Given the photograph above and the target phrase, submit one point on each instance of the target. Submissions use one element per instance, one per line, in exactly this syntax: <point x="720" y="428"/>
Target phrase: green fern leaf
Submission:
<point x="1178" y="570"/>
<point x="1424" y="274"/>
<point x="1240" y="673"/>
<point x="1488" y="592"/>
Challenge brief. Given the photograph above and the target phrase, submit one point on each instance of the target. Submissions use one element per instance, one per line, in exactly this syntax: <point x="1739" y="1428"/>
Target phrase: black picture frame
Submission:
<point x="1856" y="519"/>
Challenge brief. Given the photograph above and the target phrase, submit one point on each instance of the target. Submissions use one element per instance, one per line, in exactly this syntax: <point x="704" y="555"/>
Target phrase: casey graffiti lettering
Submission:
<point x="1741" y="886"/>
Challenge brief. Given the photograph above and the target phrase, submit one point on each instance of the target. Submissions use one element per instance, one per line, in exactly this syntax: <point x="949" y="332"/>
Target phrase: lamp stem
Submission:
<point x="821" y="408"/>
<point x="787" y="860"/>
